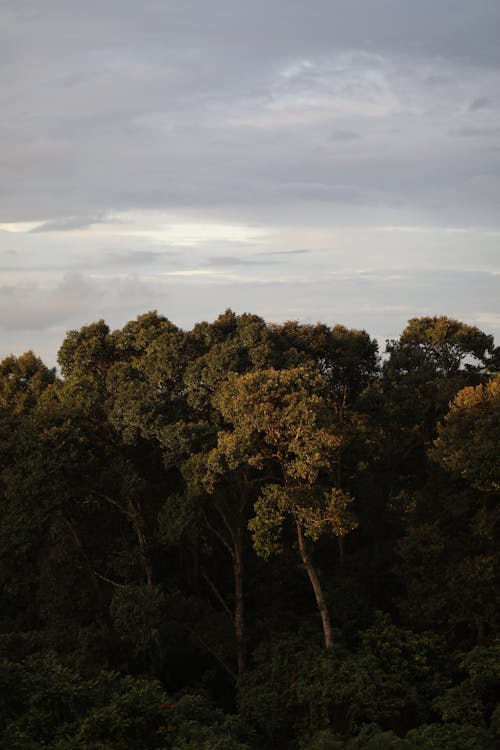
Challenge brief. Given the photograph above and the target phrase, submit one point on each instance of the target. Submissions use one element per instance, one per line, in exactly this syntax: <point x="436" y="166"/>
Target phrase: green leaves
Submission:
<point x="338" y="518"/>
<point x="446" y="344"/>
<point x="270" y="511"/>
<point x="468" y="442"/>
<point x="279" y="424"/>
<point x="52" y="707"/>
<point x="133" y="489"/>
<point x="23" y="380"/>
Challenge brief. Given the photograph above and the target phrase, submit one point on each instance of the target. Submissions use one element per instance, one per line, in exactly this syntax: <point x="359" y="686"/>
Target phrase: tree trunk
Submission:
<point x="138" y="525"/>
<point x="102" y="615"/>
<point x="239" y="619"/>
<point x="234" y="545"/>
<point x="318" y="591"/>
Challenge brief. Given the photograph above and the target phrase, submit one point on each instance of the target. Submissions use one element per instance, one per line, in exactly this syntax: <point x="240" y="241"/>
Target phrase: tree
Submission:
<point x="222" y="496"/>
<point x="22" y="381"/>
<point x="85" y="357"/>
<point x="432" y="360"/>
<point x="468" y="441"/>
<point x="346" y="358"/>
<point x="444" y="344"/>
<point x="455" y="522"/>
<point x="277" y="427"/>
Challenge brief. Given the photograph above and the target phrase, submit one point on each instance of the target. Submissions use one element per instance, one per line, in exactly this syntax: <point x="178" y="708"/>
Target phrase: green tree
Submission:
<point x="444" y="344"/>
<point x="22" y="381"/>
<point x="221" y="492"/>
<point x="469" y="437"/>
<point x="278" y="427"/>
<point x="433" y="359"/>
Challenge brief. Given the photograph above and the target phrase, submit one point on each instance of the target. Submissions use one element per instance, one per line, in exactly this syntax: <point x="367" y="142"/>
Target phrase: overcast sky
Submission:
<point x="333" y="160"/>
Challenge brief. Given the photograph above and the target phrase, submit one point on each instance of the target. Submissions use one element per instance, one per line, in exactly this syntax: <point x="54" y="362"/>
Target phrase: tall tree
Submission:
<point x="278" y="431"/>
<point x="468" y="442"/>
<point x="457" y="518"/>
<point x="232" y="344"/>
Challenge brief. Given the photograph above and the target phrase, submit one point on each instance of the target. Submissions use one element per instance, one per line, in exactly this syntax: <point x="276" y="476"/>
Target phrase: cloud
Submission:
<point x="34" y="308"/>
<point x="473" y="132"/>
<point x="344" y="135"/>
<point x="128" y="258"/>
<point x="68" y="224"/>
<point x="223" y="261"/>
<point x="244" y="111"/>
<point x="148" y="139"/>
<point x="301" y="251"/>
<point x="481" y="102"/>
<point x="72" y="299"/>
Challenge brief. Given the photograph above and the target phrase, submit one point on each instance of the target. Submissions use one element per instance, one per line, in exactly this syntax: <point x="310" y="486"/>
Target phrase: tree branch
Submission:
<point x="214" y="653"/>
<point x="108" y="580"/>
<point x="215" y="591"/>
<point x="218" y="534"/>
<point x="225" y="521"/>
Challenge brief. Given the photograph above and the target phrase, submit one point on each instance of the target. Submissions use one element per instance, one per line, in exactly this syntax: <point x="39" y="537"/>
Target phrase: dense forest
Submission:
<point x="251" y="536"/>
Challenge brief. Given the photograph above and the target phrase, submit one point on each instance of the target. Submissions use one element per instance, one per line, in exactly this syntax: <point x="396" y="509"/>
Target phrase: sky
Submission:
<point x="328" y="160"/>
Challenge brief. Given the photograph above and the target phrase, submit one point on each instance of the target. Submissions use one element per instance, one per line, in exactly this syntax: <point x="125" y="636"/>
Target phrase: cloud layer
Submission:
<point x="209" y="143"/>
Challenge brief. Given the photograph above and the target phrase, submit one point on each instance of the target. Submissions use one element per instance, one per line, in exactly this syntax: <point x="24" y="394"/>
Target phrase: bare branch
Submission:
<point x="215" y="591"/>
<point x="218" y="534"/>
<point x="214" y="653"/>
<point x="108" y="580"/>
<point x="225" y="521"/>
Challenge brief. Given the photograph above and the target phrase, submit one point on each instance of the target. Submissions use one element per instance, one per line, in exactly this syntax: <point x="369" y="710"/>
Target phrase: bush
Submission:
<point x="451" y="737"/>
<point x="45" y="705"/>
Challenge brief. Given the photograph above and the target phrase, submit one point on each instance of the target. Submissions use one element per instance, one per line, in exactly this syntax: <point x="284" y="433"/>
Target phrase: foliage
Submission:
<point x="44" y="704"/>
<point x="450" y="737"/>
<point x="47" y="705"/>
<point x="169" y="505"/>
<point x="469" y="437"/>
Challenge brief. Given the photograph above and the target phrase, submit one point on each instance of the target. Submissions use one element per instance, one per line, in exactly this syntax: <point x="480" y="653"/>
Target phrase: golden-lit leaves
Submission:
<point x="279" y="415"/>
<point x="468" y="441"/>
<point x="337" y="514"/>
<point x="278" y="424"/>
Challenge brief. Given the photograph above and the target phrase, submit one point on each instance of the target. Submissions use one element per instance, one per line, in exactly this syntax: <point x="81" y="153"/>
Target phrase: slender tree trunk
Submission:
<point x="210" y="650"/>
<point x="233" y="542"/>
<point x="239" y="603"/>
<point x="102" y="615"/>
<point x="318" y="591"/>
<point x="138" y="524"/>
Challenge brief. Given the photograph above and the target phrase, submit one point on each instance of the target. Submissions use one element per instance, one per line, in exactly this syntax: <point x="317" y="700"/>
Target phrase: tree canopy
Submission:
<point x="251" y="535"/>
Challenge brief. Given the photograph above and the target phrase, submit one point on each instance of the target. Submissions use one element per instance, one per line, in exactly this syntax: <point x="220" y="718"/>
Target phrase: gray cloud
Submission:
<point x="472" y="132"/>
<point x="481" y="102"/>
<point x="29" y="307"/>
<point x="67" y="224"/>
<point x="344" y="135"/>
<point x="304" y="119"/>
<point x="233" y="106"/>
<point x="378" y="301"/>
<point x="227" y="261"/>
<point x="302" y="251"/>
<point x="130" y="258"/>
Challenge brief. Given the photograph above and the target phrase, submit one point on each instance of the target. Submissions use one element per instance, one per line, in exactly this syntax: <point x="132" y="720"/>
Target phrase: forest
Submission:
<point x="251" y="536"/>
